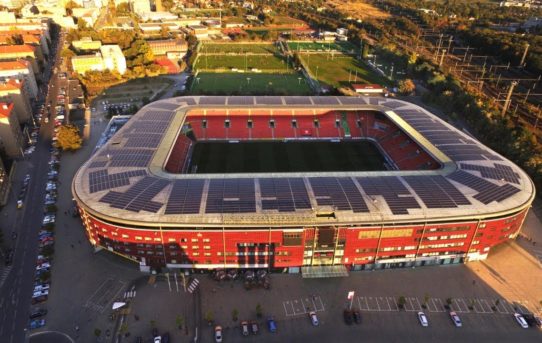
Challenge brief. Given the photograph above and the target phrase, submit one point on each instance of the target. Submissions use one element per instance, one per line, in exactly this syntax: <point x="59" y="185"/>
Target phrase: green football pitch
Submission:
<point x="279" y="156"/>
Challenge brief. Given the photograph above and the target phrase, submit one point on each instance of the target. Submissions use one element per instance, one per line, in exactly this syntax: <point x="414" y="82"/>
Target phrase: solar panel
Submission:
<point x="352" y="100"/>
<point x="212" y="100"/>
<point x="436" y="192"/>
<point x="268" y="100"/>
<point x="396" y="195"/>
<point x="147" y="127"/>
<point x="325" y="100"/>
<point x="97" y="164"/>
<point x="100" y="180"/>
<point x="165" y="105"/>
<point x="148" y="140"/>
<point x="128" y="157"/>
<point x="394" y="104"/>
<point x="187" y="100"/>
<point x="231" y="196"/>
<point x="139" y="196"/>
<point x="341" y="193"/>
<point x="284" y="194"/>
<point x="241" y="100"/>
<point x="185" y="197"/>
<point x="487" y="191"/>
<point x="157" y="115"/>
<point x="499" y="172"/>
<point x="463" y="152"/>
<point x="297" y="100"/>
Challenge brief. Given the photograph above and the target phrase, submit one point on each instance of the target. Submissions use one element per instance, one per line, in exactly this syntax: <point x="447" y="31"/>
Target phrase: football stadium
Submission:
<point x="318" y="185"/>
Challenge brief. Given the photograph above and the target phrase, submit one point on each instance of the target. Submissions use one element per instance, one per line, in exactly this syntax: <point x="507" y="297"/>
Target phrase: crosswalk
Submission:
<point x="129" y="294"/>
<point x="4" y="274"/>
<point x="193" y="285"/>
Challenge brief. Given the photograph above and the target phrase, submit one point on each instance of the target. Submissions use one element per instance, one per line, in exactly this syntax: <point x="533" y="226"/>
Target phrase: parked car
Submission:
<point x="455" y="319"/>
<point x="8" y="259"/>
<point x="314" y="318"/>
<point x="254" y="328"/>
<point x="165" y="338"/>
<point x="521" y="321"/>
<point x="423" y="319"/>
<point x="218" y="334"/>
<point x="38" y="300"/>
<point x="271" y="324"/>
<point x="357" y="316"/>
<point x="43" y="266"/>
<point x="39" y="312"/>
<point x="244" y="328"/>
<point x="38" y="294"/>
<point x="37" y="323"/>
<point x="348" y="317"/>
<point x="42" y="287"/>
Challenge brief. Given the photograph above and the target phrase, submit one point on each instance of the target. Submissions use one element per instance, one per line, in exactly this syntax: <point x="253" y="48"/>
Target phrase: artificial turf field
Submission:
<point x="279" y="156"/>
<point x="250" y="84"/>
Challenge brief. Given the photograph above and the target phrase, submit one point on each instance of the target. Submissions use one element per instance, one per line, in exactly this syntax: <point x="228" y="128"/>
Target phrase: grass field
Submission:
<point x="241" y="62"/>
<point x="298" y="156"/>
<point x="339" y="69"/>
<point x="240" y="48"/>
<point x="259" y="84"/>
<point x="345" y="47"/>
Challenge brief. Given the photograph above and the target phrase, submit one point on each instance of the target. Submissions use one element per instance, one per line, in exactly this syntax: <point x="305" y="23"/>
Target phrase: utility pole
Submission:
<point x="508" y="96"/>
<point x="442" y="57"/>
<point x="524" y="55"/>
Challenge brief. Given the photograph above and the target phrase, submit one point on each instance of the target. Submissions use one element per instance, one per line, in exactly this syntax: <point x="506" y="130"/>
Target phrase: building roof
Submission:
<point x="5" y="109"/>
<point x="14" y="49"/>
<point x="13" y="65"/>
<point x="125" y="181"/>
<point x="11" y="85"/>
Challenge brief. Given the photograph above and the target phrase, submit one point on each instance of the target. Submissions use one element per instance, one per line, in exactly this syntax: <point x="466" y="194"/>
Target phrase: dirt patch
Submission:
<point x="357" y="9"/>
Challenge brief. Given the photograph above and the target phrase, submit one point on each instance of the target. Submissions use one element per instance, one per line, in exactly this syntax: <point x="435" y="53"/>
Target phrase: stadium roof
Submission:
<point x="125" y="181"/>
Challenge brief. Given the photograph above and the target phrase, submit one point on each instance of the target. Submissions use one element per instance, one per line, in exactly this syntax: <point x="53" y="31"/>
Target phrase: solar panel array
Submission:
<point x="100" y="180"/>
<point x="397" y="196"/>
<point x="436" y="192"/>
<point x="128" y="157"/>
<point x="450" y="142"/>
<point x="185" y="197"/>
<point x="231" y="196"/>
<point x="138" y="197"/>
<point x="284" y="194"/>
<point x="487" y="191"/>
<point x="499" y="172"/>
<point x="141" y="137"/>
<point x="339" y="192"/>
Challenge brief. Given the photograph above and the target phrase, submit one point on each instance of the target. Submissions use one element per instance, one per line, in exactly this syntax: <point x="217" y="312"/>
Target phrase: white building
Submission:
<point x="113" y="58"/>
<point x="20" y="70"/>
<point x="140" y="6"/>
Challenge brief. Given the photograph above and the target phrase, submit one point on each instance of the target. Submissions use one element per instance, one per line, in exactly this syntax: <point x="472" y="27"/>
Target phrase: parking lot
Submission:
<point x="302" y="306"/>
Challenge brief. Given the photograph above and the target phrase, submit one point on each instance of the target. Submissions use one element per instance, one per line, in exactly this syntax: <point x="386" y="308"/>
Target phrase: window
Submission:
<point x="272" y="123"/>
<point x="294" y="123"/>
<point x="195" y="247"/>
<point x="250" y="124"/>
<point x="195" y="254"/>
<point x="171" y="239"/>
<point x="204" y="124"/>
<point x="138" y="238"/>
<point x="207" y="254"/>
<point x="227" y="123"/>
<point x="337" y="123"/>
<point x="207" y="247"/>
<point x="194" y="240"/>
<point x="316" y="123"/>
<point x="184" y="240"/>
<point x="206" y="240"/>
<point x="358" y="123"/>
<point x="291" y="239"/>
<point x="125" y="236"/>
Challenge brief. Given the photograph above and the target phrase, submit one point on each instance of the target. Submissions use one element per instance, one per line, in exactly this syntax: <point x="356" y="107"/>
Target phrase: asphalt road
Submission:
<point x="16" y="292"/>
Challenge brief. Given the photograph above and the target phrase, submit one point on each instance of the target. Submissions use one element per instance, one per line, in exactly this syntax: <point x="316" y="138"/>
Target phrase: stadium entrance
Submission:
<point x="325" y="249"/>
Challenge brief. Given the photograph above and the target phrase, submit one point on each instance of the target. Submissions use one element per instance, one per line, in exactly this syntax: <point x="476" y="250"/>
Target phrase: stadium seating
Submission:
<point x="400" y="148"/>
<point x="177" y="158"/>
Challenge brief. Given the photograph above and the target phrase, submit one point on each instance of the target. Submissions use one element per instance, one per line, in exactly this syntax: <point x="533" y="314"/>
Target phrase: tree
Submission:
<point x="259" y="310"/>
<point x="97" y="332"/>
<point x="209" y="317"/>
<point x="406" y="86"/>
<point x="365" y="51"/>
<point x="234" y="315"/>
<point x="448" y="303"/>
<point x="179" y="321"/>
<point x="425" y="300"/>
<point x="69" y="138"/>
<point x="67" y="53"/>
<point x="401" y="302"/>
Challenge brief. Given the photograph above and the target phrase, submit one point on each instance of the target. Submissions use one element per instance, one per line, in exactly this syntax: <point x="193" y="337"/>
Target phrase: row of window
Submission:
<point x="272" y="123"/>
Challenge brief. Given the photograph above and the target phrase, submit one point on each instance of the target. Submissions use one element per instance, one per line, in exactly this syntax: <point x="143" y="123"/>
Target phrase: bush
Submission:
<point x="401" y="302"/>
<point x="234" y="314"/>
<point x="69" y="138"/>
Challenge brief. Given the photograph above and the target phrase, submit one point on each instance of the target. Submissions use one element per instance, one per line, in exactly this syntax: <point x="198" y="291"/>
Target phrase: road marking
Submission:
<point x="385" y="305"/>
<point x="363" y="306"/>
<point x="104" y="294"/>
<point x="392" y="304"/>
<point x="301" y="306"/>
<point x="414" y="304"/>
<point x="458" y="305"/>
<point x="485" y="306"/>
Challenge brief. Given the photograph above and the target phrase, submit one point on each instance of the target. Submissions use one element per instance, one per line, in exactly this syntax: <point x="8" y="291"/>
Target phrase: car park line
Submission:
<point x="288" y="308"/>
<point x="383" y="304"/>
<point x="505" y="307"/>
<point x="413" y="304"/>
<point x="459" y="306"/>
<point x="485" y="305"/>
<point x="435" y="305"/>
<point x="392" y="304"/>
<point x="302" y="306"/>
<point x="363" y="305"/>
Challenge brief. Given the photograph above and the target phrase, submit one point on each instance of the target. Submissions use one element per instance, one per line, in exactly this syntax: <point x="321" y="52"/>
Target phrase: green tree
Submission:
<point x="209" y="317"/>
<point x="69" y="138"/>
<point x="235" y="314"/>
<point x="179" y="321"/>
<point x="401" y="301"/>
<point x="259" y="310"/>
<point x="97" y="332"/>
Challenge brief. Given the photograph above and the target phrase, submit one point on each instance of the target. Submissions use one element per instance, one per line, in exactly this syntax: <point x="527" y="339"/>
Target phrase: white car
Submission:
<point x="455" y="319"/>
<point x="48" y="219"/>
<point x="314" y="318"/>
<point x="218" y="334"/>
<point x="423" y="319"/>
<point x="39" y="293"/>
<point x="521" y="321"/>
<point x="43" y="266"/>
<point x="44" y="287"/>
<point x="158" y="339"/>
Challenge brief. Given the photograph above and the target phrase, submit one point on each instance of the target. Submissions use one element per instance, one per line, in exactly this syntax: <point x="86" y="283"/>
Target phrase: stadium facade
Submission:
<point x="444" y="198"/>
